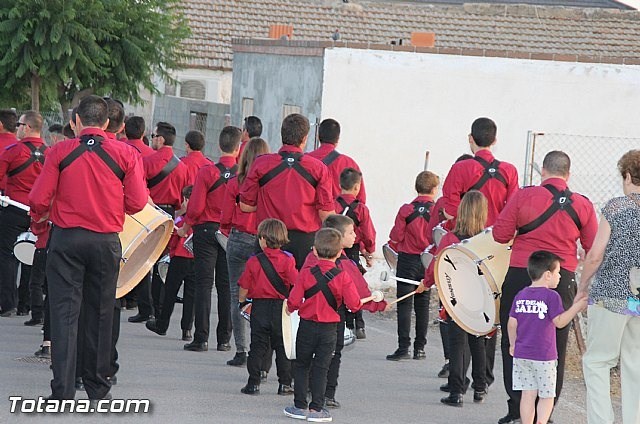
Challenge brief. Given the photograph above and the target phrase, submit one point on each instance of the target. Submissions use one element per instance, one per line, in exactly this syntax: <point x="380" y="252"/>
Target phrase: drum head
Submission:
<point x="465" y="292"/>
<point x="24" y="251"/>
<point x="390" y="256"/>
<point x="438" y="232"/>
<point x="289" y="331"/>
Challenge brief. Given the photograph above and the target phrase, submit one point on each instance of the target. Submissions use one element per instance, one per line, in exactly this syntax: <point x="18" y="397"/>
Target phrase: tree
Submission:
<point x="79" y="47"/>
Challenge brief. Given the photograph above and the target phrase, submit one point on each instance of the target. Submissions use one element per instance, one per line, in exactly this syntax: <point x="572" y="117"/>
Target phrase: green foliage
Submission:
<point x="109" y="46"/>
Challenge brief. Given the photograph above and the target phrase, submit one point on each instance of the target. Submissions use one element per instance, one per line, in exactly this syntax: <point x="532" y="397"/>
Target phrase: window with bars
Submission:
<point x="198" y="121"/>
<point x="289" y="109"/>
<point x="247" y="107"/>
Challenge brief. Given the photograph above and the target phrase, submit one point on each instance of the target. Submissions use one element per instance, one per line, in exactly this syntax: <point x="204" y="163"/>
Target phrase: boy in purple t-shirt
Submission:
<point x="535" y="313"/>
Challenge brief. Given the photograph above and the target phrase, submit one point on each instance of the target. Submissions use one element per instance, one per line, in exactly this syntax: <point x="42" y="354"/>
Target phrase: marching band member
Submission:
<point x="251" y="128"/>
<point x="8" y="121"/>
<point x="134" y="129"/>
<point x="195" y="159"/>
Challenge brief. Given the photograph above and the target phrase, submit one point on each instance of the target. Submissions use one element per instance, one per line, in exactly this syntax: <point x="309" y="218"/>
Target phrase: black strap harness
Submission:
<point x="561" y="202"/>
<point x="225" y="175"/>
<point x="37" y="155"/>
<point x="322" y="285"/>
<point x="490" y="171"/>
<point x="289" y="161"/>
<point x="92" y="144"/>
<point x="420" y="209"/>
<point x="332" y="156"/>
<point x="272" y="274"/>
<point x="349" y="209"/>
<point x="164" y="173"/>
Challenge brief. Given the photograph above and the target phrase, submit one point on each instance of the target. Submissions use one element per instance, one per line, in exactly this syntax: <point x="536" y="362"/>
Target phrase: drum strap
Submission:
<point x="322" y="284"/>
<point x="332" y="156"/>
<point x="164" y="173"/>
<point x="490" y="171"/>
<point x="37" y="155"/>
<point x="419" y="209"/>
<point x="92" y="144"/>
<point x="561" y="202"/>
<point x="272" y="274"/>
<point x="289" y="161"/>
<point x="225" y="175"/>
<point x="349" y="209"/>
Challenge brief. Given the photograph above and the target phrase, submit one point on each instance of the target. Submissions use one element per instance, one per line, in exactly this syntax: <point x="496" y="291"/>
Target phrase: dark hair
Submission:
<point x="295" y="128"/>
<point x="274" y="233"/>
<point x="34" y="120"/>
<point x="195" y="140"/>
<point x="483" y="131"/>
<point x="9" y="119"/>
<point x="339" y="222"/>
<point x="166" y="131"/>
<point x="68" y="132"/>
<point x="426" y="181"/>
<point x="629" y="164"/>
<point x="74" y="114"/>
<point x="186" y="191"/>
<point x="349" y="177"/>
<point x="464" y="157"/>
<point x="253" y="126"/>
<point x="55" y="128"/>
<point x="540" y="262"/>
<point x="557" y="163"/>
<point x="254" y="148"/>
<point x="93" y="111"/>
<point x="229" y="139"/>
<point x="134" y="127"/>
<point x="329" y="131"/>
<point x="328" y="243"/>
<point x="116" y="114"/>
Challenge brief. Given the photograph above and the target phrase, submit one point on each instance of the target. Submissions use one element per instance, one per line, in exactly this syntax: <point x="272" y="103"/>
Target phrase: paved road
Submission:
<point x="189" y="387"/>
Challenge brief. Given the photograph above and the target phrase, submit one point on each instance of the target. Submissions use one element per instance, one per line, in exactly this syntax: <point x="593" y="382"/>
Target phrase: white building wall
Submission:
<point x="217" y="83"/>
<point x="394" y="106"/>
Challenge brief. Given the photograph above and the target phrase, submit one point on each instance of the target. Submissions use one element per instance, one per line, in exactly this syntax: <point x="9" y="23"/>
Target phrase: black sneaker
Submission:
<point x="79" y="384"/>
<point x="223" y="347"/>
<point x="509" y="419"/>
<point x="360" y="334"/>
<point x="239" y="360"/>
<point x="250" y="389"/>
<point x="153" y="325"/>
<point x="186" y="335"/>
<point x="284" y="390"/>
<point x="34" y="321"/>
<point x="331" y="403"/>
<point x="419" y="354"/>
<point x="452" y="400"/>
<point x="398" y="355"/>
<point x="444" y="372"/>
<point x="263" y="376"/>
<point x="43" y="352"/>
<point x="479" y="395"/>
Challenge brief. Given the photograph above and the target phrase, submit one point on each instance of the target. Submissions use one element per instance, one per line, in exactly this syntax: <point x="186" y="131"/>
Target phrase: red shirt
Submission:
<point x="256" y="281"/>
<point x="288" y="197"/>
<point x="194" y="161"/>
<point x="412" y="238"/>
<point x="437" y="217"/>
<point x="141" y="147"/>
<point x="6" y="140"/>
<point x="41" y="230"/>
<point x="204" y="205"/>
<point x="232" y="215"/>
<point x="348" y="266"/>
<point x="365" y="232"/>
<point x="87" y="194"/>
<point x="19" y="185"/>
<point x="176" y="243"/>
<point x="558" y="235"/>
<point x="464" y="174"/>
<point x="316" y="308"/>
<point x="336" y="167"/>
<point x="169" y="190"/>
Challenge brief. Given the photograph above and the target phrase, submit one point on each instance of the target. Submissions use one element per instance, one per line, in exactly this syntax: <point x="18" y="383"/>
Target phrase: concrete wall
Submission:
<point x="273" y="81"/>
<point x="394" y="106"/>
<point x="177" y="111"/>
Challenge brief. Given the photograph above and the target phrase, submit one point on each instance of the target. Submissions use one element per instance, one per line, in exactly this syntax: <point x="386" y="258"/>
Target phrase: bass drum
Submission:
<point x="144" y="237"/>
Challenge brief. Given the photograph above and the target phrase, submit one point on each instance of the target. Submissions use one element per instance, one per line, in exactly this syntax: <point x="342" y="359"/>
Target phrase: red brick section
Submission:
<point x="277" y="31"/>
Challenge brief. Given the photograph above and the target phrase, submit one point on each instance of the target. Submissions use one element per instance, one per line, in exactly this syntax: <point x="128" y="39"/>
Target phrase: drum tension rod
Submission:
<point x="479" y="261"/>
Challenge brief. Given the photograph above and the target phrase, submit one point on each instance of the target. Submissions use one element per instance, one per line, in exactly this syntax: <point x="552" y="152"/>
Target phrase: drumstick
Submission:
<point x="6" y="201"/>
<point x="426" y="160"/>
<point x="376" y="296"/>
<point x="400" y="299"/>
<point x="384" y="276"/>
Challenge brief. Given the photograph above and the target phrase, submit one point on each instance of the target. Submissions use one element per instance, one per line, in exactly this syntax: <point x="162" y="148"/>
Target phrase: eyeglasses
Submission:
<point x="155" y="135"/>
<point x="19" y="124"/>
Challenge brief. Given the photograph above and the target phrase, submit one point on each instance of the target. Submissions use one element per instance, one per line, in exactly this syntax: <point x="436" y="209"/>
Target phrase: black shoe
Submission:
<point x="223" y="347"/>
<point x="8" y="313"/>
<point x="331" y="403"/>
<point x="153" y="325"/>
<point x="398" y="355"/>
<point x="79" y="384"/>
<point x="284" y="390"/>
<point x="186" y="335"/>
<point x="197" y="346"/>
<point x="250" y="389"/>
<point x="509" y="419"/>
<point x="34" y="321"/>
<point x="239" y="360"/>
<point x="113" y="380"/>
<point x="452" y="400"/>
<point x="444" y="372"/>
<point x="179" y="299"/>
<point x="263" y="376"/>
<point x="419" y="354"/>
<point x="43" y="352"/>
<point x="445" y="388"/>
<point x="360" y="334"/>
<point x="139" y="318"/>
<point x="480" y="395"/>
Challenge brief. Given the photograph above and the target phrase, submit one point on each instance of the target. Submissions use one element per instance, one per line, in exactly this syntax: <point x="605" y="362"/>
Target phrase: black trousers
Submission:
<point x="180" y="270"/>
<point x="464" y="347"/>
<point x="82" y="270"/>
<point x="143" y="294"/>
<point x="355" y="319"/>
<point x="13" y="221"/>
<point x="266" y="335"/>
<point x="299" y="246"/>
<point x="410" y="266"/>
<point x="315" y="344"/>
<point x="37" y="282"/>
<point x="210" y="264"/>
<point x="24" y="294"/>
<point x="515" y="280"/>
<point x="334" y="366"/>
<point x="115" y="336"/>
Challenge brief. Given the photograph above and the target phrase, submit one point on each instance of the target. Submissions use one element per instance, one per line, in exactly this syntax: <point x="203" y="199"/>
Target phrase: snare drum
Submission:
<point x="163" y="267"/>
<point x="469" y="276"/>
<point x="245" y="311"/>
<point x="290" y="325"/>
<point x="25" y="247"/>
<point x="438" y="232"/>
<point x="391" y="256"/>
<point x="222" y="240"/>
<point x="144" y="237"/>
<point x="188" y="243"/>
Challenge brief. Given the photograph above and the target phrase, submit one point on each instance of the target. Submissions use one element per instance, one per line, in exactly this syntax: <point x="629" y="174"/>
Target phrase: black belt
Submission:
<point x="15" y="210"/>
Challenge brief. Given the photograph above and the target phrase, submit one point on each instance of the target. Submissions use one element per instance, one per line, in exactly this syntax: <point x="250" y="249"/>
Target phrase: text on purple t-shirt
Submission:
<point x="535" y="308"/>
